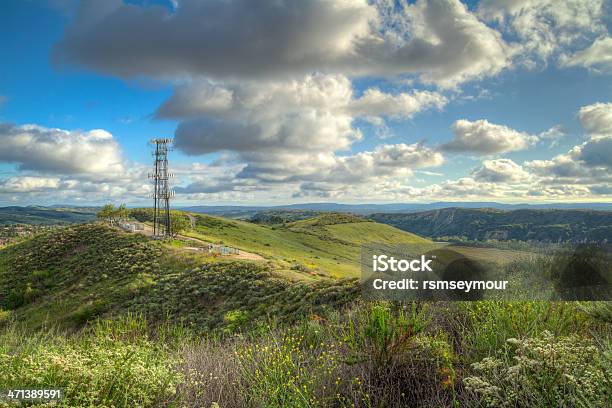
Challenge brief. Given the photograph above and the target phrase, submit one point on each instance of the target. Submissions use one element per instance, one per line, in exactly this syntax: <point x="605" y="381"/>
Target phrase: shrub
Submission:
<point x="96" y="369"/>
<point x="484" y="326"/>
<point x="211" y="375"/>
<point x="235" y="319"/>
<point x="281" y="371"/>
<point x="544" y="371"/>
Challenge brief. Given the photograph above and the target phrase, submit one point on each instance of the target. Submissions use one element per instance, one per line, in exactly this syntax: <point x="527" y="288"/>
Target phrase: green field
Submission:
<point x="328" y="244"/>
<point x="499" y="256"/>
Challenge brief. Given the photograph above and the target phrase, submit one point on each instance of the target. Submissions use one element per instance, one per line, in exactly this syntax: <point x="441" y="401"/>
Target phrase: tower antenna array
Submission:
<point x="161" y="193"/>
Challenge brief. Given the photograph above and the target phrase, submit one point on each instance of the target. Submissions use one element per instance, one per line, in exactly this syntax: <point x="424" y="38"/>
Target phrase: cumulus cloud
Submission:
<point x="314" y="114"/>
<point x="581" y="165"/>
<point x="483" y="137"/>
<point x="588" y="164"/>
<point x="28" y="184"/>
<point x="500" y="171"/>
<point x="315" y="173"/>
<point x="546" y="28"/>
<point x="596" y="119"/>
<point x="440" y="40"/>
<point x="296" y="130"/>
<point x="385" y="161"/>
<point x="553" y="133"/>
<point x="37" y="148"/>
<point x="271" y="116"/>
<point x="68" y="165"/>
<point x="299" y="132"/>
<point x="583" y="172"/>
<point x="598" y="56"/>
<point x="317" y="91"/>
<point x="373" y="102"/>
<point x="596" y="153"/>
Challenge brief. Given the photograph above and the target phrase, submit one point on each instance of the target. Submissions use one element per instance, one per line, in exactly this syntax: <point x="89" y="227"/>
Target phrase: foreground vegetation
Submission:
<point x="484" y="354"/>
<point x="118" y="320"/>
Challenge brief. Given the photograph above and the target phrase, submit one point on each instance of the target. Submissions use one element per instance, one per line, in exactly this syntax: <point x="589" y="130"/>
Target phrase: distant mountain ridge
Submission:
<point x="46" y="215"/>
<point x="549" y="225"/>
<point x="69" y="214"/>
<point x="388" y="208"/>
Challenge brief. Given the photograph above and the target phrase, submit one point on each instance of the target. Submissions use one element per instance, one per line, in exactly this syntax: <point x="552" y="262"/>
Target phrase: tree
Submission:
<point x="111" y="214"/>
<point x="121" y="212"/>
<point x="179" y="223"/>
<point x="107" y="213"/>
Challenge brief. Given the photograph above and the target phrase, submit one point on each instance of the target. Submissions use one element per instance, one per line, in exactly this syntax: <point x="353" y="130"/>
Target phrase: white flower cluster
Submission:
<point x="544" y="371"/>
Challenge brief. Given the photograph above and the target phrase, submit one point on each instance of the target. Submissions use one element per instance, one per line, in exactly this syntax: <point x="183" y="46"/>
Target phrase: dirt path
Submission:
<point x="148" y="231"/>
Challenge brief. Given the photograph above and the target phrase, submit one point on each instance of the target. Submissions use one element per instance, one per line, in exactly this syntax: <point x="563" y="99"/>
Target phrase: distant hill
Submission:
<point x="527" y="224"/>
<point x="272" y="217"/>
<point x="364" y="209"/>
<point x="69" y="214"/>
<point x="326" y="244"/>
<point x="46" y="215"/>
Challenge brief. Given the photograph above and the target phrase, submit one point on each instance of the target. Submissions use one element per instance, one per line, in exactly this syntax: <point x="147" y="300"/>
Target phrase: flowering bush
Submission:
<point x="544" y="372"/>
<point x="97" y="370"/>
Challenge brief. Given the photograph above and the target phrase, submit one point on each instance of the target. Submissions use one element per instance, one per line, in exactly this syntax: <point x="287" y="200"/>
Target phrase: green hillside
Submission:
<point x="72" y="275"/>
<point x="486" y="223"/>
<point x="328" y="244"/>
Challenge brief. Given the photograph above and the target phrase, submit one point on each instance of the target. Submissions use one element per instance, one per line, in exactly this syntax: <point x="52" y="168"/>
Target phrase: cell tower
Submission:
<point x="161" y="193"/>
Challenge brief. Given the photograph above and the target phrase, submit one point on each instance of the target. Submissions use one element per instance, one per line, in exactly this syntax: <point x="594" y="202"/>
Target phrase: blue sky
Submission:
<point x="302" y="112"/>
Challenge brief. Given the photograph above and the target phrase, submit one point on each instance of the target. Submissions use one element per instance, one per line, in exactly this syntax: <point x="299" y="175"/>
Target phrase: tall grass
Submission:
<point x="379" y="354"/>
<point x="112" y="365"/>
<point x="485" y="326"/>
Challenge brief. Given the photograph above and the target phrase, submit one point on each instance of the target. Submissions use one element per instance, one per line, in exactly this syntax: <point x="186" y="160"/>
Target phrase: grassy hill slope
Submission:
<point x="482" y="224"/>
<point x="328" y="244"/>
<point x="72" y="275"/>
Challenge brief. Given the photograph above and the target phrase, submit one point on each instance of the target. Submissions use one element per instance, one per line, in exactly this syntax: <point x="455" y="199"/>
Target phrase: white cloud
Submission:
<point x="28" y="184"/>
<point x="484" y="137"/>
<point x="598" y="56"/>
<point x="373" y="102"/>
<point x="500" y="171"/>
<point x="583" y="173"/>
<point x="440" y="40"/>
<point x="68" y="165"/>
<point x="386" y="161"/>
<point x="588" y="164"/>
<point x="127" y="187"/>
<point x="596" y="119"/>
<point x="42" y="149"/>
<point x="554" y="133"/>
<point x="315" y="173"/>
<point x="314" y="114"/>
<point x="545" y="28"/>
<point x="292" y="131"/>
